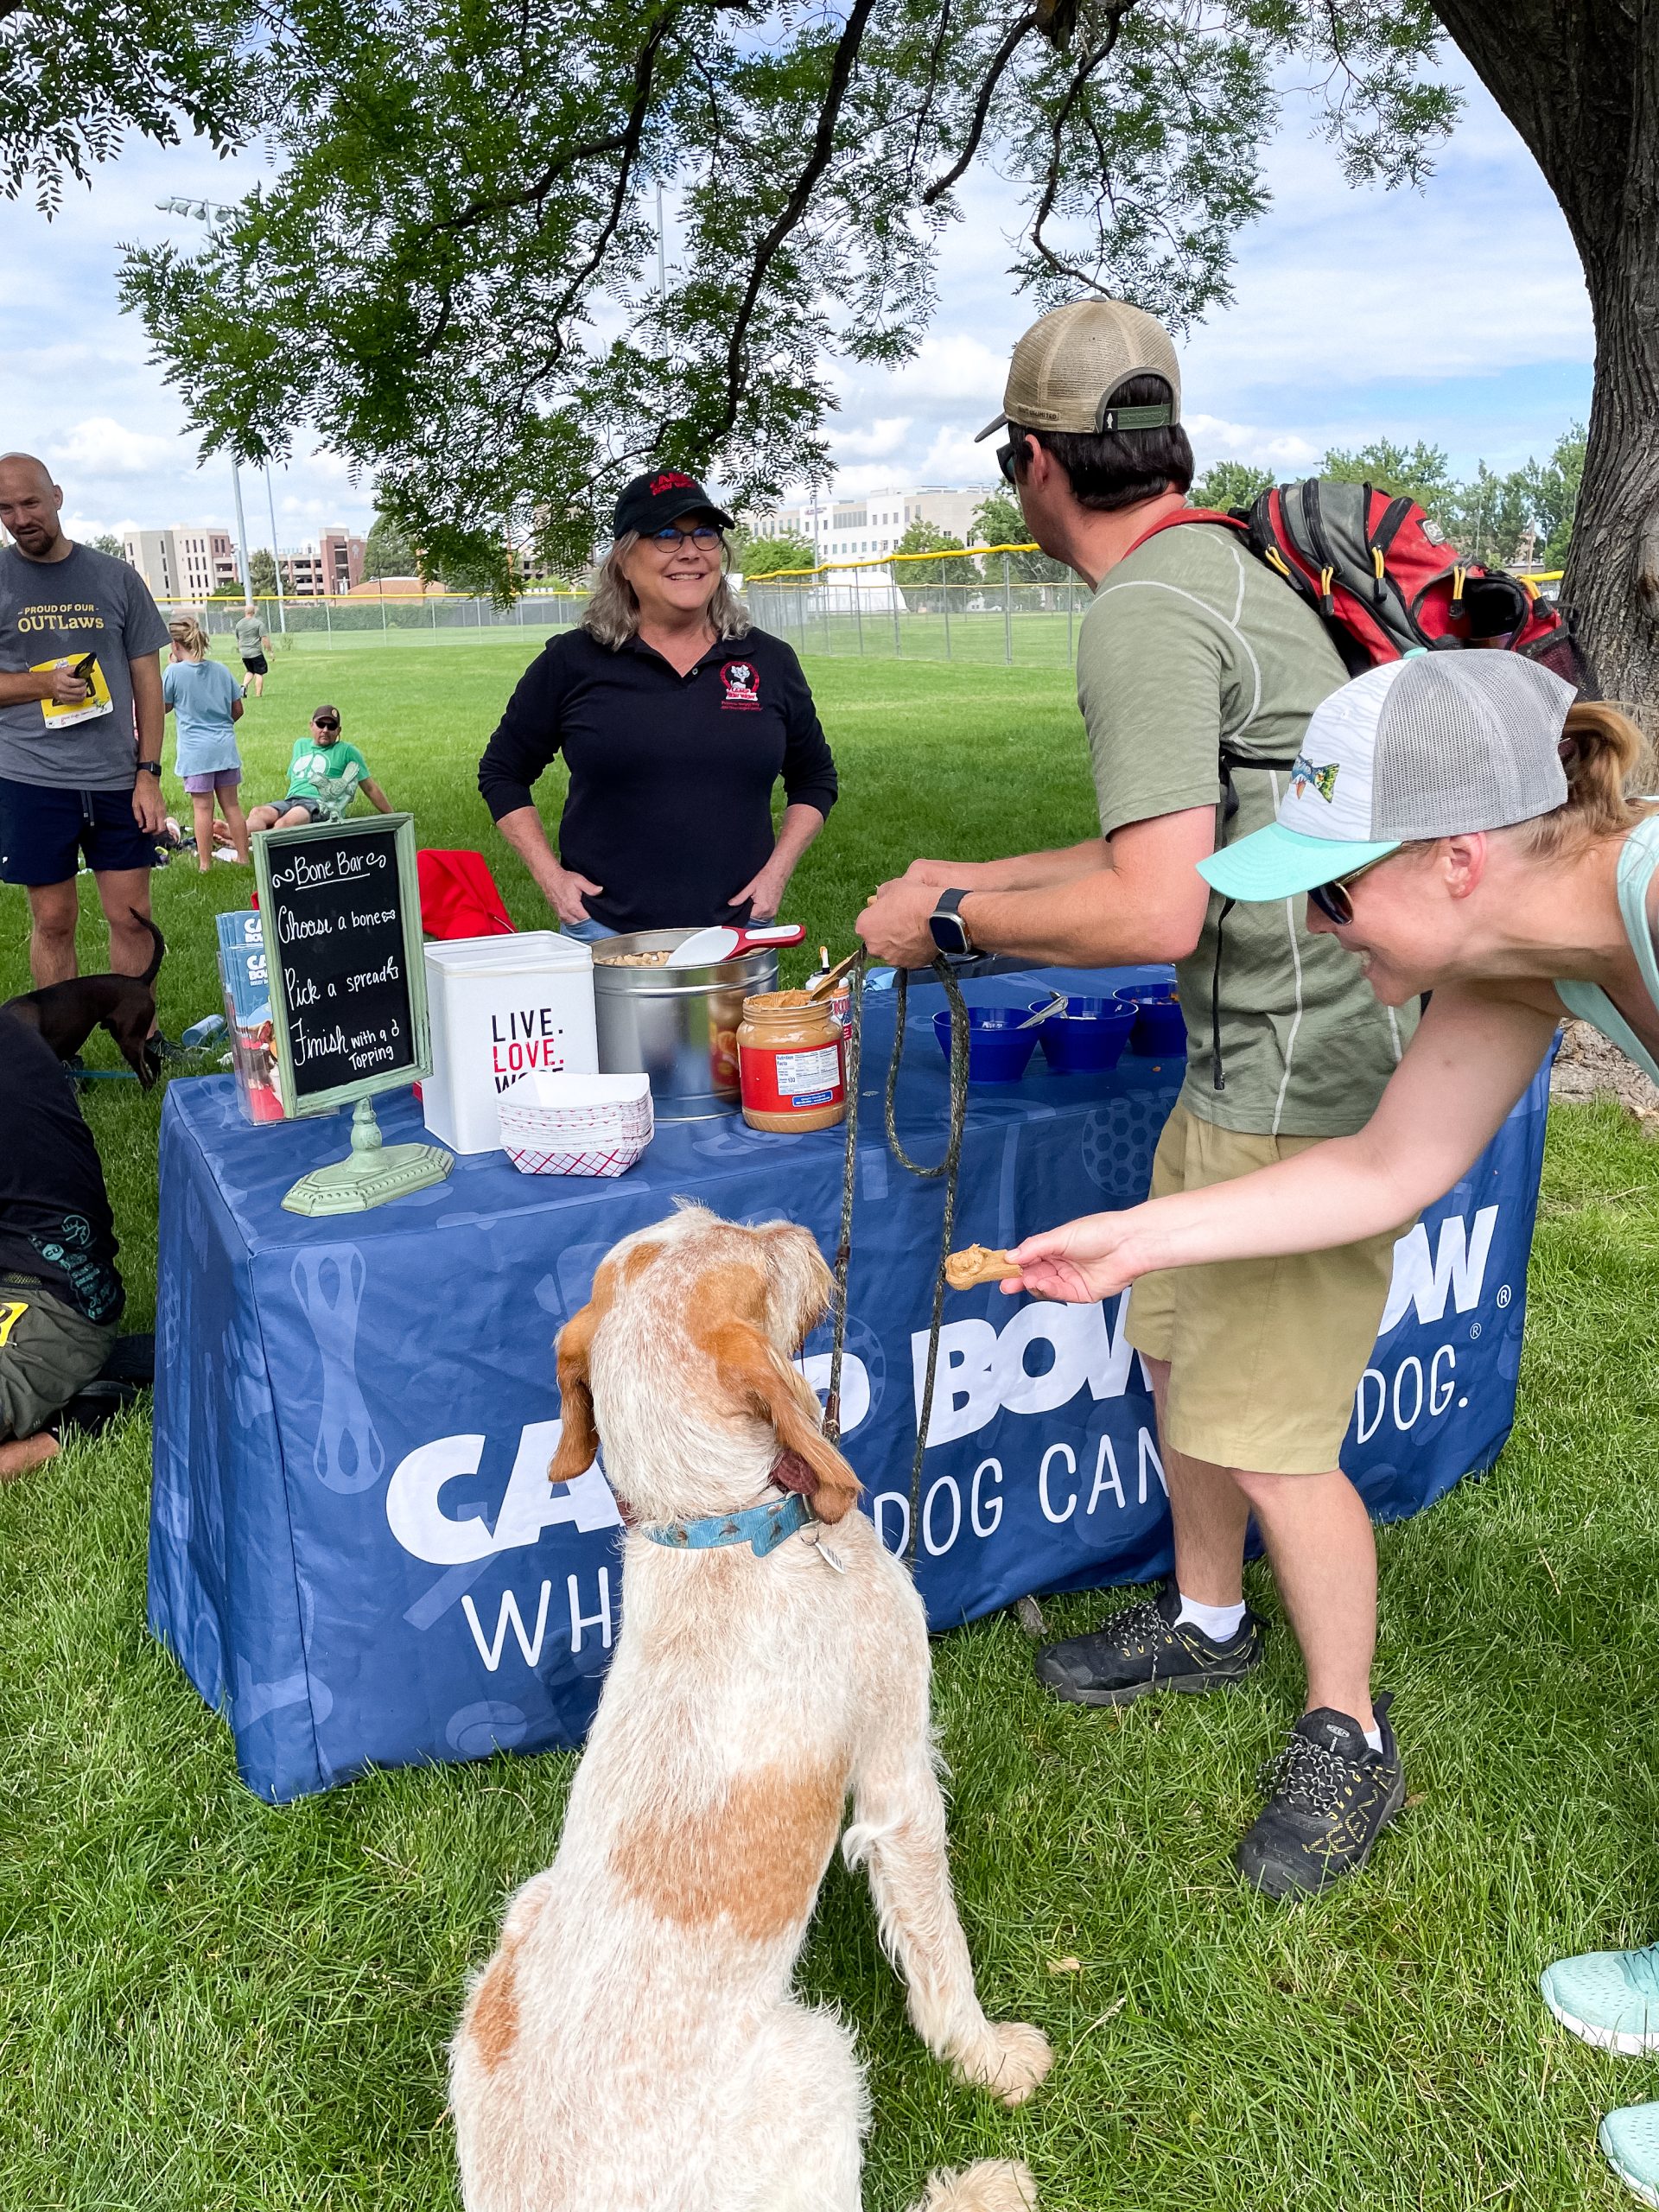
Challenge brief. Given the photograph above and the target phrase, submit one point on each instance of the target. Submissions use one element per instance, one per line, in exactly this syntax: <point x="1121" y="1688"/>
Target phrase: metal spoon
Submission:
<point x="1043" y="1011"/>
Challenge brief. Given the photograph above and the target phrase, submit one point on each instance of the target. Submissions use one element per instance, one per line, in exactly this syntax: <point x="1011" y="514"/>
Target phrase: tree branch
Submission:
<point x="1086" y="69"/>
<point x="1021" y="29"/>
<point x="824" y="142"/>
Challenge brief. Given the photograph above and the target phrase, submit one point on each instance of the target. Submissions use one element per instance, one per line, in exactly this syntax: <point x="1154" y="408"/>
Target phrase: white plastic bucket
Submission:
<point x="502" y="1008"/>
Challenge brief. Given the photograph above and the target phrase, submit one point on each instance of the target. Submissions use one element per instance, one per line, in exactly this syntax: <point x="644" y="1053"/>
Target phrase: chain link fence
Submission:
<point x="344" y="620"/>
<point x="991" y="617"/>
<point x="874" y="610"/>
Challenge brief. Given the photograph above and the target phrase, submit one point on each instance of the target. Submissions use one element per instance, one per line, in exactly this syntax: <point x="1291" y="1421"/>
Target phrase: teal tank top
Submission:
<point x="1636" y="864"/>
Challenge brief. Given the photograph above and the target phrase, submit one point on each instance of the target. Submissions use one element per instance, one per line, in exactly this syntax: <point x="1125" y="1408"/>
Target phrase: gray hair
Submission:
<point x="612" y="611"/>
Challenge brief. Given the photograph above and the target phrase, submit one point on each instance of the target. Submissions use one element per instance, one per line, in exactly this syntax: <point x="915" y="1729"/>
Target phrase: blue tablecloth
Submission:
<point x="354" y="1550"/>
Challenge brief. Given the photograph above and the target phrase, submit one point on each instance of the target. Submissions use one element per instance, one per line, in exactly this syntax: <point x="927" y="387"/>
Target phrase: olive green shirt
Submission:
<point x="1190" y="641"/>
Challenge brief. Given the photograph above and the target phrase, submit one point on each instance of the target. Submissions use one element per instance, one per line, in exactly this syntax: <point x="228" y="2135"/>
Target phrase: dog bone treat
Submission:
<point x="964" y="1270"/>
<point x="657" y="959"/>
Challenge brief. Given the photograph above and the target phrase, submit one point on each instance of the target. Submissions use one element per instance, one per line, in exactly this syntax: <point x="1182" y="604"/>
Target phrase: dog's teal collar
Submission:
<point x="761" y="1526"/>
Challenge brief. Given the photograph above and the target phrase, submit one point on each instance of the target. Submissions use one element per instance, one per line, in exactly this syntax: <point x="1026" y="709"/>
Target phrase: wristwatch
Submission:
<point x="946" y="926"/>
<point x="149" y="767"/>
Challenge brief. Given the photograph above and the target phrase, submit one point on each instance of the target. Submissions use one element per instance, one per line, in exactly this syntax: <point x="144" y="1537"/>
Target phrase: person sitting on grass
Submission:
<point x="203" y="695"/>
<point x="61" y="1296"/>
<point x="1462" y="824"/>
<point x="324" y="776"/>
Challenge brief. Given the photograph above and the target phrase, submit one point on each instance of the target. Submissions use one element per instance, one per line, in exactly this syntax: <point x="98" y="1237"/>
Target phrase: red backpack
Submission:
<point x="1384" y="579"/>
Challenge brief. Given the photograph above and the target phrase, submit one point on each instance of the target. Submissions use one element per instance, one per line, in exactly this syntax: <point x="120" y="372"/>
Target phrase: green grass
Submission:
<point x="210" y="2004"/>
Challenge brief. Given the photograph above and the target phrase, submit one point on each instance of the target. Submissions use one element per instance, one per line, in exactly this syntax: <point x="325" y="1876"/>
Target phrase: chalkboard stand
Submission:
<point x="371" y="1172"/>
<point x="341" y="920"/>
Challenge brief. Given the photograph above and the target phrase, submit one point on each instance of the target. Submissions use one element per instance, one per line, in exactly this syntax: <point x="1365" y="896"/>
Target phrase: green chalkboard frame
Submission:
<point x="294" y="1106"/>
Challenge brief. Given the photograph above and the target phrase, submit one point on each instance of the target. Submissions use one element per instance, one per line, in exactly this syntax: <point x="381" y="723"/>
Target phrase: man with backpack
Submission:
<point x="1197" y="669"/>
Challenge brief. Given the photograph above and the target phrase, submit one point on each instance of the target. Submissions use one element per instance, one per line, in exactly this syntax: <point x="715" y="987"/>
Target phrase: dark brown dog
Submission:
<point x="66" y="1014"/>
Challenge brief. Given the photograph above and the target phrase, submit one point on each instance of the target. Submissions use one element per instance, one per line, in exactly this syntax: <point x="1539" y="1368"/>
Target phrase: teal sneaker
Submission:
<point x="1610" y="1999"/>
<point x="1630" y="2139"/>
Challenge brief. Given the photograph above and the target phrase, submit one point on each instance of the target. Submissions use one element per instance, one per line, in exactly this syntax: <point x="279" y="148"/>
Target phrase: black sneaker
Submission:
<point x="1140" y="1650"/>
<point x="1331" y="1797"/>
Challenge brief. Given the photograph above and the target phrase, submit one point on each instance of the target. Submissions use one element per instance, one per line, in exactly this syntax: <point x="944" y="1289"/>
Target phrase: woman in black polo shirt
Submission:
<point x="675" y="720"/>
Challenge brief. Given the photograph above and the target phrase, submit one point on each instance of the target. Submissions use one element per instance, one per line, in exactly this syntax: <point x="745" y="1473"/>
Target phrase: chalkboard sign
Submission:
<point x="342" y="929"/>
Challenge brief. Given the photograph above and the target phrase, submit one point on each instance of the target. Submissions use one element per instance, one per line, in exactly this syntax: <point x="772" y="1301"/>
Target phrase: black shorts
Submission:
<point x="43" y="832"/>
<point x="312" y="806"/>
<point x="258" y="666"/>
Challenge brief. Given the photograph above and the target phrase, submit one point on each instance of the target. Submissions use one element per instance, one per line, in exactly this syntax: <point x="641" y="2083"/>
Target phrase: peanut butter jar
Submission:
<point x="789" y="1064"/>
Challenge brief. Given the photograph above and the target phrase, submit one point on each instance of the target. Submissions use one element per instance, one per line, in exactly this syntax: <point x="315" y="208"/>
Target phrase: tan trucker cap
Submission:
<point x="1068" y="365"/>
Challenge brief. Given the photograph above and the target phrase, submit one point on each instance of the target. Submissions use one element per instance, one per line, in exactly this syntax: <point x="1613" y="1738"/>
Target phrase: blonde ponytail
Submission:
<point x="1603" y="753"/>
<point x="188" y="636"/>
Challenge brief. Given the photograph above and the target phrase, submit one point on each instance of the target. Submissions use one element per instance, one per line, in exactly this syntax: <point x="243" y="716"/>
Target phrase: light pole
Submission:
<point x="276" y="557"/>
<point x="214" y="213"/>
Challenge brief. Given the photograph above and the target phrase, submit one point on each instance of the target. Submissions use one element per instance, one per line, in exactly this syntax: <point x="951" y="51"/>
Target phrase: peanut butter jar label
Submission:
<point x="790" y="1080"/>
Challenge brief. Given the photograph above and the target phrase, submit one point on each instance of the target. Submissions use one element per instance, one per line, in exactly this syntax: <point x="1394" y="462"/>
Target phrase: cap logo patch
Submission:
<point x="742" y="684"/>
<point x="1304" y="777"/>
<point x="672" y="480"/>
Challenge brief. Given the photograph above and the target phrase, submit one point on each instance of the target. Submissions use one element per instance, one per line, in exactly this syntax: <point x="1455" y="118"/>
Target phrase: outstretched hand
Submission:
<point x="1081" y="1260"/>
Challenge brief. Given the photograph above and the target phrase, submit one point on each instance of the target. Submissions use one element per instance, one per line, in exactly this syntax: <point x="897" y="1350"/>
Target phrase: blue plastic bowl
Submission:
<point x="1159" y="1026"/>
<point x="1085" y="1036"/>
<point x="997" y="1050"/>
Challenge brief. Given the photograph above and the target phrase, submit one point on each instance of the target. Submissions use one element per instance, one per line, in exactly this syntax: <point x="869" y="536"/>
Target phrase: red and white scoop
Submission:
<point x="705" y="947"/>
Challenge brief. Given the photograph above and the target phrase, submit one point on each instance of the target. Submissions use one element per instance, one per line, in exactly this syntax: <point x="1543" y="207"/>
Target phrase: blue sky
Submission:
<point x="1456" y="314"/>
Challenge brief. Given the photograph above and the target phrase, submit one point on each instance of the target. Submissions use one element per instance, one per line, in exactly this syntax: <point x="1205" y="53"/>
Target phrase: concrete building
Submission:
<point x="866" y="528"/>
<point x="186" y="562"/>
<point x="323" y="567"/>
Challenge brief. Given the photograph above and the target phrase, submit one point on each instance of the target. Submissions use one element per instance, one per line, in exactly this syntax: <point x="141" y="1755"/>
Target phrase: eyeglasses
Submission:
<point x="705" y="537"/>
<point x="1009" y="457"/>
<point x="1333" y="899"/>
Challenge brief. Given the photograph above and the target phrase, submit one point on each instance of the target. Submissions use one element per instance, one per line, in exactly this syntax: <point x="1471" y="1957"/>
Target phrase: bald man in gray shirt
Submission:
<point x="81" y="727"/>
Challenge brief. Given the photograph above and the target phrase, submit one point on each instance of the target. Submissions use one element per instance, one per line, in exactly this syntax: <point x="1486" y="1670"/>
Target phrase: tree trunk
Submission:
<point x="1579" y="81"/>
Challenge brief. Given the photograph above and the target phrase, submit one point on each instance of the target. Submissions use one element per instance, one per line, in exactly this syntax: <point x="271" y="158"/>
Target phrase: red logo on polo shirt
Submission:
<point x="672" y="480"/>
<point x="742" y="684"/>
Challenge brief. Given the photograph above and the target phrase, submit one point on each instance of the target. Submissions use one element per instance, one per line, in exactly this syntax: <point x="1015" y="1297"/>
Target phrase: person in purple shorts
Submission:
<point x="208" y="702"/>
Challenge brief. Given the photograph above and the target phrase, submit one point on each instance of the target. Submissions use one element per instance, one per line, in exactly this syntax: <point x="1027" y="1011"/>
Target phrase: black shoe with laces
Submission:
<point x="1142" y="1649"/>
<point x="1330" y="1797"/>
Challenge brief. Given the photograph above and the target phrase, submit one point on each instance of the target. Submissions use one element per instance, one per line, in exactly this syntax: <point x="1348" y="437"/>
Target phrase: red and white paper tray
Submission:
<point x="576" y="1124"/>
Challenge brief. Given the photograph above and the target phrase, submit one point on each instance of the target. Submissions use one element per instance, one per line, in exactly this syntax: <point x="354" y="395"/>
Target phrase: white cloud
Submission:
<point x="884" y="436"/>
<point x="102" y="447"/>
<point x="1215" y="439"/>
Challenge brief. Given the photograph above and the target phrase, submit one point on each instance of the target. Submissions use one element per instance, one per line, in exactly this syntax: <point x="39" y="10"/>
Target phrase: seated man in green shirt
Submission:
<point x="324" y="775"/>
<point x="1197" y="669"/>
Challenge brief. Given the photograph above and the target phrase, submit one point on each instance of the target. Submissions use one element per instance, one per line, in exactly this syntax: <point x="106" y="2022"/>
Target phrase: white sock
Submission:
<point x="1221" y="1623"/>
<point x="1374" y="1738"/>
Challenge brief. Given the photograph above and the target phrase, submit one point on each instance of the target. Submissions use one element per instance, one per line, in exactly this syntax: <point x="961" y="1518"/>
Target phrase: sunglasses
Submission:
<point x="705" y="537"/>
<point x="1009" y="458"/>
<point x="317" y="722"/>
<point x="1331" y="898"/>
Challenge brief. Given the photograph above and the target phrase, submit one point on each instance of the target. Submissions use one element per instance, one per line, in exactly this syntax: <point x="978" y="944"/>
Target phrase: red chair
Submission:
<point x="459" y="896"/>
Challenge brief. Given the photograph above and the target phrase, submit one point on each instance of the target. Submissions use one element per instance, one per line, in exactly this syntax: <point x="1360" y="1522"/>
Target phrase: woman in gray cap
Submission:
<point x="1461" y="822"/>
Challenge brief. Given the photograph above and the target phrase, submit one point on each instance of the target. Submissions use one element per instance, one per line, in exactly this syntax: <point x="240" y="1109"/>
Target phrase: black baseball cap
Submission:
<point x="660" y="497"/>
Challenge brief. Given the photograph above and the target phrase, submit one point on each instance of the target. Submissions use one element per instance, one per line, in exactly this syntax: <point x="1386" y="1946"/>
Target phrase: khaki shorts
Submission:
<point x="49" y="1353"/>
<point x="1264" y="1355"/>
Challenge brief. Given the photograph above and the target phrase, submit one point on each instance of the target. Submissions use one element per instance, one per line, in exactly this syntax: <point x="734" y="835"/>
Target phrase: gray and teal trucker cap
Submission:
<point x="1433" y="746"/>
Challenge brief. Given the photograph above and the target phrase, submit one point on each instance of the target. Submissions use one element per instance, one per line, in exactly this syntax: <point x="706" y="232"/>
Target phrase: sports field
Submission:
<point x="206" y="2004"/>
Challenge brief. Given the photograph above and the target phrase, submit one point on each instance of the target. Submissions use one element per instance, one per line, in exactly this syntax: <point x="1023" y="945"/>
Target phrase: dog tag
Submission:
<point x="815" y="1537"/>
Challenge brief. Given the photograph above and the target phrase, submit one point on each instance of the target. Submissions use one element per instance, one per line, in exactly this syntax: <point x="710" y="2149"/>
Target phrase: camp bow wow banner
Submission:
<point x="355" y="1550"/>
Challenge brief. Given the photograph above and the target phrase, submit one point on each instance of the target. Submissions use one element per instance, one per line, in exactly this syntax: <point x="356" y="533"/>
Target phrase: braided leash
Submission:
<point x="949" y="1168"/>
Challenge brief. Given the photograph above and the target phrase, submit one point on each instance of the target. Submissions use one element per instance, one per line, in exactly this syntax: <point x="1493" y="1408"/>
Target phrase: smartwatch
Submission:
<point x="149" y="767"/>
<point x="946" y="926"/>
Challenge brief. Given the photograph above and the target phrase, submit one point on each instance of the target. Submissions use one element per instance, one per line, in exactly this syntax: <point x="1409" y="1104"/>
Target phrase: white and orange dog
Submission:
<point x="635" y="2045"/>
